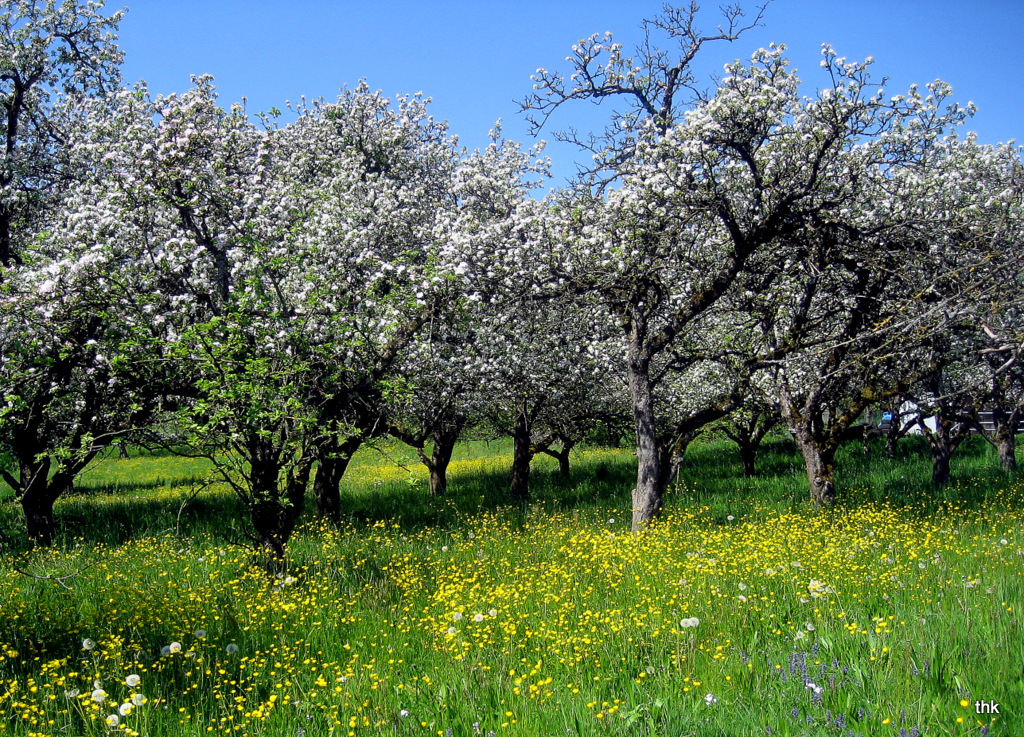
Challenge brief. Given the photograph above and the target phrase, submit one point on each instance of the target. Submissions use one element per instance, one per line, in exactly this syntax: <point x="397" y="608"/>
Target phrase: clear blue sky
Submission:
<point x="474" y="58"/>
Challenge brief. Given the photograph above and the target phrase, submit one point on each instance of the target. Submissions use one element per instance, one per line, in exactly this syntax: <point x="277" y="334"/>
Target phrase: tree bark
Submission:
<point x="37" y="500"/>
<point x="563" y="459"/>
<point x="748" y="434"/>
<point x="274" y="511"/>
<point x="38" y="491"/>
<point x="821" y="472"/>
<point x="561" y="455"/>
<point x="1006" y="438"/>
<point x="940" y="465"/>
<point x="440" y="457"/>
<point x="943" y="441"/>
<point x="748" y="457"/>
<point x="1008" y="452"/>
<point x="332" y="463"/>
<point x="647" y="496"/>
<point x="519" y="481"/>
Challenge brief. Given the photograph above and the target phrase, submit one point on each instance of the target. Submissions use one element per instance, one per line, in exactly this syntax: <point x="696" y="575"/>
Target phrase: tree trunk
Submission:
<point x="519" y="482"/>
<point x="1008" y="453"/>
<point x="890" y="442"/>
<point x="940" y="465"/>
<point x="275" y="511"/>
<point x="39" y="491"/>
<point x="748" y="434"/>
<point x="563" y="459"/>
<point x="1006" y="441"/>
<point x="562" y="455"/>
<point x="37" y="503"/>
<point x="647" y="497"/>
<point x="440" y="457"/>
<point x="748" y="456"/>
<point x="820" y="470"/>
<point x="942" y="443"/>
<point x="332" y="463"/>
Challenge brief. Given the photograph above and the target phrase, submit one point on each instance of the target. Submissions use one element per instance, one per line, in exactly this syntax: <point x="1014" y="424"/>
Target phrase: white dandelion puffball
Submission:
<point x="132" y="681"/>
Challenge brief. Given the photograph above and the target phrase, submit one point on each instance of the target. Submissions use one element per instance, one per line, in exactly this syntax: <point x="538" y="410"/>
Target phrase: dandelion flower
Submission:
<point x="132" y="681"/>
<point x="174" y="647"/>
<point x="457" y="617"/>
<point x="165" y="650"/>
<point x="88" y="644"/>
<point x="478" y="617"/>
<point x="492" y="613"/>
<point x="809" y="627"/>
<point x="200" y="634"/>
<point x="99" y="696"/>
<point x="125" y="709"/>
<point x="231" y="649"/>
<point x="138" y="699"/>
<point x="452" y="630"/>
<point x="688" y="623"/>
<point x="113" y="720"/>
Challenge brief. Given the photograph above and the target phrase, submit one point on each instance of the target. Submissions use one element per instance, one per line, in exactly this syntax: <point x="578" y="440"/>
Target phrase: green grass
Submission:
<point x="467" y="615"/>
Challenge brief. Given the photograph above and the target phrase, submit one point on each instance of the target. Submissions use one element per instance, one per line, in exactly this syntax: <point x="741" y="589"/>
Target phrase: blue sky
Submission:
<point x="475" y="58"/>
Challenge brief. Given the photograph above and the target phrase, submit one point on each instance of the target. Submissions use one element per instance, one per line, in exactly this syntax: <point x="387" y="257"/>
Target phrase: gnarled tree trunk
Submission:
<point x="1006" y="438"/>
<point x="519" y="476"/>
<point x="647" y="496"/>
<point x="440" y="457"/>
<point x="332" y="462"/>
<point x="274" y="510"/>
<point x="819" y="463"/>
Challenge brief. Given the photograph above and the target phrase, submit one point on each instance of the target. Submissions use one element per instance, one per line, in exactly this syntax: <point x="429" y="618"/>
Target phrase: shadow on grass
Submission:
<point x="118" y="511"/>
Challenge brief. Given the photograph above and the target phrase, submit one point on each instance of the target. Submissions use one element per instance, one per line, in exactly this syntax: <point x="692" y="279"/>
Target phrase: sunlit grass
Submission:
<point x="743" y="612"/>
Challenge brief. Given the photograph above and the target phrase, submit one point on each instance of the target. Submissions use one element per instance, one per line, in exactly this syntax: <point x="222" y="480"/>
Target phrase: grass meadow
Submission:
<point x="743" y="612"/>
